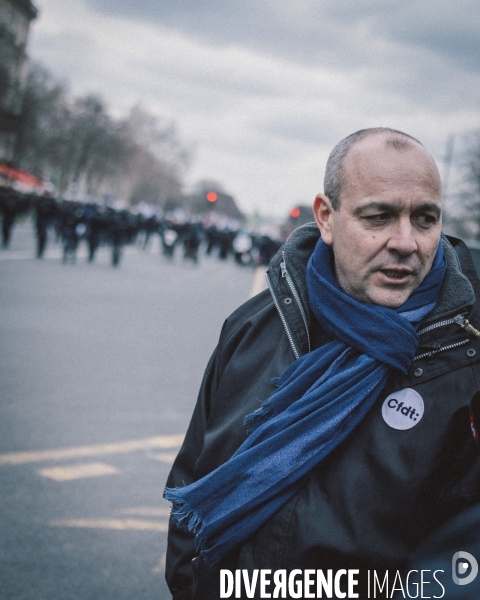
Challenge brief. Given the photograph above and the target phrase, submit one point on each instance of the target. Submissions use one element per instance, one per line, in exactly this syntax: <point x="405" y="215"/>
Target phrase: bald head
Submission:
<point x="336" y="172"/>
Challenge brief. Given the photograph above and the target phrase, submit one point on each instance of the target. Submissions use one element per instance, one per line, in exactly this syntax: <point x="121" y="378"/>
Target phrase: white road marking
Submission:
<point x="78" y="471"/>
<point x="116" y="524"/>
<point x="160" y="442"/>
<point x="259" y="283"/>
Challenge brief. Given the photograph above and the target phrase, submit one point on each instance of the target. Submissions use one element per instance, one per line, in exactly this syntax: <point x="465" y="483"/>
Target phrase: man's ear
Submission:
<point x="322" y="211"/>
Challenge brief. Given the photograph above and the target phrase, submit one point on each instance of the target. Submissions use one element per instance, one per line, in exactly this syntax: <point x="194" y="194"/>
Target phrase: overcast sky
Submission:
<point x="261" y="90"/>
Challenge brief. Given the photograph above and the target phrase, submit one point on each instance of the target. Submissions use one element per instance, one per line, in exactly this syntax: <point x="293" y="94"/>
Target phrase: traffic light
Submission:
<point x="295" y="212"/>
<point x="211" y="197"/>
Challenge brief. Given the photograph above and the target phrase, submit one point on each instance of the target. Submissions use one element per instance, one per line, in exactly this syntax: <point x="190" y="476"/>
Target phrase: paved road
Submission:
<point x="99" y="369"/>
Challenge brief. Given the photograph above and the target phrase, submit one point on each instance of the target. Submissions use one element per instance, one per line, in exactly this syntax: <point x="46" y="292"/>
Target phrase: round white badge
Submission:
<point x="403" y="409"/>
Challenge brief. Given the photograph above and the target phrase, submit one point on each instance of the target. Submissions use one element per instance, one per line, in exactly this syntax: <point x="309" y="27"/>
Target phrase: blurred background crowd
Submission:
<point x="71" y="222"/>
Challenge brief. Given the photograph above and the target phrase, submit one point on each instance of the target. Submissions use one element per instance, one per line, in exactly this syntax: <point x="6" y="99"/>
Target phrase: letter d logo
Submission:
<point x="459" y="568"/>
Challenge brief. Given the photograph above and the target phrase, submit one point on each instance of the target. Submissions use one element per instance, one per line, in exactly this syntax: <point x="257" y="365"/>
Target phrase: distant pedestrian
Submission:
<point x="46" y="210"/>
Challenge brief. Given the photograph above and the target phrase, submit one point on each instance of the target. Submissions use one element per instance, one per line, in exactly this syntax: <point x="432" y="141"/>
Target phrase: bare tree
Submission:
<point x="159" y="162"/>
<point x="76" y="143"/>
<point x="43" y="133"/>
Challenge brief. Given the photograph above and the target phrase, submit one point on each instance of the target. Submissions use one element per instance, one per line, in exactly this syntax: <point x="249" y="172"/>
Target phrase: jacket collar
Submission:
<point x="456" y="295"/>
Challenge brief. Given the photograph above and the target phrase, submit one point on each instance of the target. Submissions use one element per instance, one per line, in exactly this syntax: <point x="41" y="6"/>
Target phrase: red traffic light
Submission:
<point x="295" y="213"/>
<point x="212" y="196"/>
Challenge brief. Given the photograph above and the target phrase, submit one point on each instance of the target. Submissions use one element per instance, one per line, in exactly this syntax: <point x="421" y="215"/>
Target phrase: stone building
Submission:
<point x="15" y="18"/>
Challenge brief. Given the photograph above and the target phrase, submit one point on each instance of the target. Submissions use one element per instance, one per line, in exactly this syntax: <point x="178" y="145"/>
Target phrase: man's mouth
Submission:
<point x="397" y="275"/>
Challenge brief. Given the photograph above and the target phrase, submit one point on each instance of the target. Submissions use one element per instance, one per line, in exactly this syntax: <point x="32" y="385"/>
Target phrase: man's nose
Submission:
<point x="402" y="239"/>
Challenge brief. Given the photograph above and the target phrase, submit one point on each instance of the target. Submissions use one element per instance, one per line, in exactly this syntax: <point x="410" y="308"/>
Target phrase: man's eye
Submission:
<point x="426" y="219"/>
<point x="378" y="218"/>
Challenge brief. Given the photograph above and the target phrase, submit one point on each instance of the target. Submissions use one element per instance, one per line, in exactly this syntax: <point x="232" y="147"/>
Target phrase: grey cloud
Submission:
<point x="313" y="32"/>
<point x="421" y="51"/>
<point x="446" y="28"/>
<point x="462" y="47"/>
<point x="311" y="132"/>
<point x="426" y="54"/>
<point x="263" y="26"/>
<point x="82" y="53"/>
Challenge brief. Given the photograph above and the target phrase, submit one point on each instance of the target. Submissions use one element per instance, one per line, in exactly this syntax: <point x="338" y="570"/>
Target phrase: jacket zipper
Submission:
<point x="282" y="318"/>
<point x="433" y="352"/>
<point x="456" y="319"/>
<point x="459" y="320"/>
<point x="296" y="296"/>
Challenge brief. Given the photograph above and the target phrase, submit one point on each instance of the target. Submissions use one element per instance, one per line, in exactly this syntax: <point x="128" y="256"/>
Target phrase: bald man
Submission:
<point x="332" y="430"/>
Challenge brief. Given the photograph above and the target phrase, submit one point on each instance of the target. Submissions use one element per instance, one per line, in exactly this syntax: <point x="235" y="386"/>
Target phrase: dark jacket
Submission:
<point x="373" y="499"/>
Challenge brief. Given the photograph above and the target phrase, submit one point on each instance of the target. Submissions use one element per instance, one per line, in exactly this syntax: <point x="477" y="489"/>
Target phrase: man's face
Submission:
<point x="386" y="231"/>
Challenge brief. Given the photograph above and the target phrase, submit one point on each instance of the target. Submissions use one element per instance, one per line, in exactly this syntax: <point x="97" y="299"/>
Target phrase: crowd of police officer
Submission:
<point x="68" y="222"/>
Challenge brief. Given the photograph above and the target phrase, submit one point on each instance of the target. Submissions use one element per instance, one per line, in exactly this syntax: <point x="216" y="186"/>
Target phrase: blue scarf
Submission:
<point x="320" y="399"/>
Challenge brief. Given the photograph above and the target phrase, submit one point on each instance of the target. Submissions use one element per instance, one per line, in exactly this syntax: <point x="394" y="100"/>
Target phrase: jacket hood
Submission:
<point x="456" y="293"/>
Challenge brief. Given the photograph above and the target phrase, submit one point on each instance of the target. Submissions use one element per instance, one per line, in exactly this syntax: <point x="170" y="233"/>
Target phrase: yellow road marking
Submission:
<point x="116" y="524"/>
<point x="259" y="283"/>
<point x="161" y="441"/>
<point x="78" y="471"/>
<point x="146" y="511"/>
<point x="166" y="457"/>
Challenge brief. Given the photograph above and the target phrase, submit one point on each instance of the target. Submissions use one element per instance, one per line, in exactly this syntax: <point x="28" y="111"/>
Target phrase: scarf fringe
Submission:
<point x="185" y="516"/>
<point x="189" y="520"/>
